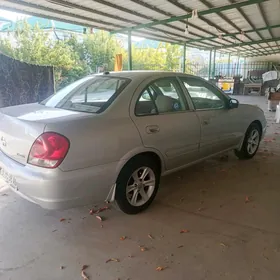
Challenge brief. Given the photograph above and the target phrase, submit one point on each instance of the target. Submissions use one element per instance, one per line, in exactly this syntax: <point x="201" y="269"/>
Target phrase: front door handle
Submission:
<point x="152" y="129"/>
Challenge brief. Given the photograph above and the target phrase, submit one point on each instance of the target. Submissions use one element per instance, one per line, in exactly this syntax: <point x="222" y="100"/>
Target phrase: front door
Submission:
<point x="218" y="126"/>
<point x="165" y="123"/>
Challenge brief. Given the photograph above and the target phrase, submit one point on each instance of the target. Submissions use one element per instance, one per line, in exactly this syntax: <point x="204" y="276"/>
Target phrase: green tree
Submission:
<point x="100" y="49"/>
<point x="34" y="46"/>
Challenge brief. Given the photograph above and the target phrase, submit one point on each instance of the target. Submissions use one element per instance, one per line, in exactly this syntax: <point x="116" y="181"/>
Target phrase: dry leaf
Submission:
<point x="92" y="211"/>
<point x="184" y="231"/>
<point x="99" y="218"/>
<point x="150" y="236"/>
<point x="84" y="267"/>
<point x="143" y="249"/>
<point x="160" y="268"/>
<point x="84" y="276"/>
<point x="113" y="260"/>
<point x="123" y="238"/>
<point x="62" y="220"/>
<point x="247" y="199"/>
<point x="223" y="245"/>
<point x="181" y="246"/>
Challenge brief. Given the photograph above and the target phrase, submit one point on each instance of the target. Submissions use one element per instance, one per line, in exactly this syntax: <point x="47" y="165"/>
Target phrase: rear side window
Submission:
<point x="204" y="96"/>
<point x="94" y="97"/>
<point x="160" y="97"/>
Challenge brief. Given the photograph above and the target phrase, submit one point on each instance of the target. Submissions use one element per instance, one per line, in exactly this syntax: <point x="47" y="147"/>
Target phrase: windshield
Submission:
<point x="91" y="94"/>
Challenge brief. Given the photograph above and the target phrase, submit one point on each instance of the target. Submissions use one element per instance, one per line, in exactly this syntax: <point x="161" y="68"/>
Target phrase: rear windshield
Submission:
<point x="91" y="94"/>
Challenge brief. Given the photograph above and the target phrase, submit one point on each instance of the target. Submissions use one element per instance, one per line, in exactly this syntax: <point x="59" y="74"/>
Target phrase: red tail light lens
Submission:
<point x="48" y="150"/>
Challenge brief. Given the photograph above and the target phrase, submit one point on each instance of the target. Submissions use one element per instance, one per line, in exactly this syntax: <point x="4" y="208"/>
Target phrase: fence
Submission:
<point x="202" y="69"/>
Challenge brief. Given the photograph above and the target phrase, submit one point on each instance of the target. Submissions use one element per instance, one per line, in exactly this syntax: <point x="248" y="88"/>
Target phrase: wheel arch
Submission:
<point x="155" y="154"/>
<point x="259" y="124"/>
<point x="253" y="122"/>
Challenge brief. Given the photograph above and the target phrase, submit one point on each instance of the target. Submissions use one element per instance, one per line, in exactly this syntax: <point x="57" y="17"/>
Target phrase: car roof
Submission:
<point x="142" y="74"/>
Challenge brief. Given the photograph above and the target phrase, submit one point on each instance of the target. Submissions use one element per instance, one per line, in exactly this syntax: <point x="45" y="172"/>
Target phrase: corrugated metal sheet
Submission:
<point x="114" y="15"/>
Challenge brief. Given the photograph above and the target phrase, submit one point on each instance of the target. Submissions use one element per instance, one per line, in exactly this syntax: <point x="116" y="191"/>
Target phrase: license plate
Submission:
<point x="8" y="178"/>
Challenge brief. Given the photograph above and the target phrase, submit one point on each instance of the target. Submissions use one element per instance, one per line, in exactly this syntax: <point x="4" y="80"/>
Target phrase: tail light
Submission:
<point x="48" y="150"/>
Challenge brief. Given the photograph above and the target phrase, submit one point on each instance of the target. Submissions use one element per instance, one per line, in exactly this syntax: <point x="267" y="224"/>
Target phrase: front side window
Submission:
<point x="161" y="96"/>
<point x="203" y="95"/>
<point x="95" y="97"/>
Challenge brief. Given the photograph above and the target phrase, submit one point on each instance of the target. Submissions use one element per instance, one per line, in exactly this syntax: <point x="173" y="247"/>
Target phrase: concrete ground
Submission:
<point x="228" y="211"/>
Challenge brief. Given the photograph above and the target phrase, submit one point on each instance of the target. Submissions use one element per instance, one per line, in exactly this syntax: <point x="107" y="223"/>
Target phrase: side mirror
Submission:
<point x="233" y="103"/>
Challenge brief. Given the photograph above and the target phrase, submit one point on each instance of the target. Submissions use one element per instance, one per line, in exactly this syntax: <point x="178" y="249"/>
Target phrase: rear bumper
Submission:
<point x="56" y="189"/>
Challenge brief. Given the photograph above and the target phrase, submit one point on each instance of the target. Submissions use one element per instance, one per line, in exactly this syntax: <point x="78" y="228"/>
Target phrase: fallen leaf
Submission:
<point x="184" y="231"/>
<point x="92" y="211"/>
<point x="54" y="230"/>
<point x="84" y="276"/>
<point x="160" y="268"/>
<point x="99" y="218"/>
<point x="181" y="246"/>
<point x="143" y="249"/>
<point x="223" y="245"/>
<point x="84" y="267"/>
<point x="247" y="199"/>
<point x="4" y="194"/>
<point x="123" y="238"/>
<point x="150" y="236"/>
<point x="112" y="260"/>
<point x="62" y="220"/>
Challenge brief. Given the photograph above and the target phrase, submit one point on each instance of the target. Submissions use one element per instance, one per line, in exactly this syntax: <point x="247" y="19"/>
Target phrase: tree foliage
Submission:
<point x="33" y="45"/>
<point x="78" y="56"/>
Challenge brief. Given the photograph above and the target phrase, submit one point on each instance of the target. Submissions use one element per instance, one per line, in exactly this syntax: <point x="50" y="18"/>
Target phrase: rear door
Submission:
<point x="165" y="122"/>
<point x="220" y="129"/>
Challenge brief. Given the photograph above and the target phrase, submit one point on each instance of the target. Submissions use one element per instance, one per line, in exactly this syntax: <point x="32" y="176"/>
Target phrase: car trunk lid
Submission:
<point x="21" y="125"/>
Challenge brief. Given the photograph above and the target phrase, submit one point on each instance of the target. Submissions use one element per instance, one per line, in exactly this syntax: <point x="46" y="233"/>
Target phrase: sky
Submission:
<point x="11" y="15"/>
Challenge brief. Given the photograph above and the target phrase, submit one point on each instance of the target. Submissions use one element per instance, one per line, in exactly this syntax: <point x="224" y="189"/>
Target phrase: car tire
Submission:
<point x="250" y="143"/>
<point x="137" y="184"/>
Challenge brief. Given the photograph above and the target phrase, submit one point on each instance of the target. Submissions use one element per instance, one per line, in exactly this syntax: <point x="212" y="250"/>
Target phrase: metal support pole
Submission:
<point x="237" y="66"/>
<point x="129" y="51"/>
<point x="214" y="65"/>
<point x="244" y="68"/>
<point x="210" y="66"/>
<point x="228" y="71"/>
<point x="184" y="58"/>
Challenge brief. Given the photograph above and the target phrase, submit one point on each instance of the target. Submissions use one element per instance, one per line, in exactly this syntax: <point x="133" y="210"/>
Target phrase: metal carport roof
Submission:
<point x="249" y="28"/>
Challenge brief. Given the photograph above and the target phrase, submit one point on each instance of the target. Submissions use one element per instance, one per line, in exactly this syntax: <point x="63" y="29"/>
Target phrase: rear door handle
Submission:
<point x="152" y="129"/>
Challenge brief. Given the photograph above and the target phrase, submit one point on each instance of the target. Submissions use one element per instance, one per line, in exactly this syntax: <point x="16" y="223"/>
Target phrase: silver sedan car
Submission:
<point x="112" y="136"/>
